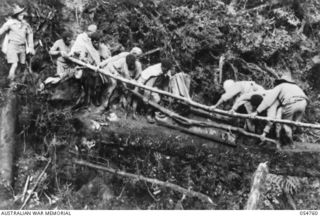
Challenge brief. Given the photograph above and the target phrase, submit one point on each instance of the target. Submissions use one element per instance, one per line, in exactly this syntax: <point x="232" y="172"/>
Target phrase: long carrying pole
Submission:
<point x="190" y="122"/>
<point x="190" y="102"/>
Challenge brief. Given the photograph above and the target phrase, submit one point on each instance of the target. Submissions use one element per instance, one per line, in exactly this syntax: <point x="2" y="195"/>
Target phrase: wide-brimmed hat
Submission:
<point x="136" y="51"/>
<point x="92" y="28"/>
<point x="17" y="10"/>
<point x="284" y="79"/>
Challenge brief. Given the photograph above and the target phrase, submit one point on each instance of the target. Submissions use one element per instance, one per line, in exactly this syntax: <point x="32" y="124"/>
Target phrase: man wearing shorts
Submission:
<point x="19" y="40"/>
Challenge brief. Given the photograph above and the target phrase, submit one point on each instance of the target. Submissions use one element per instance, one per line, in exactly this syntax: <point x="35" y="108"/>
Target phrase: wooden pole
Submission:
<point x="175" y="187"/>
<point x="149" y="52"/>
<point x="257" y="183"/>
<point x="189" y="101"/>
<point x="189" y="122"/>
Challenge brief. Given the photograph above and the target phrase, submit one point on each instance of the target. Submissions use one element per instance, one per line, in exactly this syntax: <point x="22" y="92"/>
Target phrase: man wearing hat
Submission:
<point x="236" y="88"/>
<point x="19" y="40"/>
<point x="288" y="96"/>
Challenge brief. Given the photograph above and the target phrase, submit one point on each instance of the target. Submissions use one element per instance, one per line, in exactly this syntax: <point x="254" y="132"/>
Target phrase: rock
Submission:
<point x="97" y="187"/>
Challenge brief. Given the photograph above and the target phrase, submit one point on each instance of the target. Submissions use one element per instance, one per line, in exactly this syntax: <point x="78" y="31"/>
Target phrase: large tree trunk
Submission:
<point x="126" y="132"/>
<point x="176" y="142"/>
<point x="8" y="117"/>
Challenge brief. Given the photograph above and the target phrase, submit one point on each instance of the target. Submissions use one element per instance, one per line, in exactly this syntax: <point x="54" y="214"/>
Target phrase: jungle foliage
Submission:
<point x="211" y="40"/>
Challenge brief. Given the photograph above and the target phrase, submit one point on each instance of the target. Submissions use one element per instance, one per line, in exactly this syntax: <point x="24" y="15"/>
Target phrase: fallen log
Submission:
<point x="201" y="135"/>
<point x="127" y="135"/>
<point x="8" y="118"/>
<point x="190" y="102"/>
<point x="189" y="122"/>
<point x="302" y="147"/>
<point x="166" y="184"/>
<point x="212" y="116"/>
<point x="204" y="126"/>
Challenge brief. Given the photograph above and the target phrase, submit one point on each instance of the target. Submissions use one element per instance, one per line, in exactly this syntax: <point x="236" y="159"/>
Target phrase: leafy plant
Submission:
<point x="289" y="184"/>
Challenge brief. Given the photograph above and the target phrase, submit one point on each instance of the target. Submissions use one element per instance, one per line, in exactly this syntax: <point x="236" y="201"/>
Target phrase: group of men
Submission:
<point x="285" y="101"/>
<point x="88" y="48"/>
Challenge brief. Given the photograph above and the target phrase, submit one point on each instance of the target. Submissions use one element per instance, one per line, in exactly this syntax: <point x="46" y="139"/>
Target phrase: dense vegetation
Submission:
<point x="211" y="40"/>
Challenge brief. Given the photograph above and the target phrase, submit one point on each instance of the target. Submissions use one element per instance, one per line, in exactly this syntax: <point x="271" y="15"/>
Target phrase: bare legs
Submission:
<point x="110" y="89"/>
<point x="12" y="71"/>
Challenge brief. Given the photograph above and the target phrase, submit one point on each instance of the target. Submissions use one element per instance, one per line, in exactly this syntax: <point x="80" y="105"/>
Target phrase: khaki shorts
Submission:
<point x="16" y="53"/>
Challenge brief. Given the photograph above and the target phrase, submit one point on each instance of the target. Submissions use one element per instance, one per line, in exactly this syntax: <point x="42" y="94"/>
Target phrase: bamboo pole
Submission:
<point x="257" y="184"/>
<point x="189" y="101"/>
<point x="153" y="181"/>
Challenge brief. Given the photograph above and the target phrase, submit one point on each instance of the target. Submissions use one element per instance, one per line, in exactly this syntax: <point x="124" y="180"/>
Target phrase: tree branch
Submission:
<point x="172" y="186"/>
<point x="221" y="64"/>
<point x="190" y="102"/>
<point x="35" y="185"/>
<point x="254" y="67"/>
<point x="189" y="122"/>
<point x="270" y="70"/>
<point x="259" y="8"/>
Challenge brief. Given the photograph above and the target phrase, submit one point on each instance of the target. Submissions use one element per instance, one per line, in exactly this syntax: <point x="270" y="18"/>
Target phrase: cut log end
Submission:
<point x="257" y="184"/>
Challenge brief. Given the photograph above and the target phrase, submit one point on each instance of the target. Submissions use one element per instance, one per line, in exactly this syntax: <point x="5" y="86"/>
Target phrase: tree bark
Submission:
<point x="8" y="118"/>
<point x="257" y="185"/>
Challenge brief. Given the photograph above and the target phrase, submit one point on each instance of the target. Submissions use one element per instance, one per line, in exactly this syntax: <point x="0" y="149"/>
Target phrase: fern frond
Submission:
<point x="292" y="184"/>
<point x="288" y="184"/>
